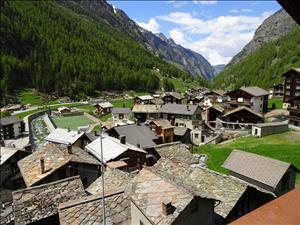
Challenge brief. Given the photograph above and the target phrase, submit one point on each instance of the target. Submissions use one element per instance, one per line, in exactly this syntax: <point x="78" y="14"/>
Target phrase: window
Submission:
<point x="196" y="136"/>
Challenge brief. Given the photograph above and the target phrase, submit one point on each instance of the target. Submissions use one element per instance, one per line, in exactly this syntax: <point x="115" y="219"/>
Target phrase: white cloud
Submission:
<point x="152" y="25"/>
<point x="177" y="4"/>
<point x="246" y="10"/>
<point x="234" y="11"/>
<point x="224" y="35"/>
<point x="208" y="2"/>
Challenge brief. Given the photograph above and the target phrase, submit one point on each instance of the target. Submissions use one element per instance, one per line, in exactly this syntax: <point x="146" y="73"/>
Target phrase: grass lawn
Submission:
<point x="284" y="146"/>
<point x="127" y="103"/>
<point x="277" y="101"/>
<point x="30" y="96"/>
<point x="105" y="117"/>
<point x="72" y="122"/>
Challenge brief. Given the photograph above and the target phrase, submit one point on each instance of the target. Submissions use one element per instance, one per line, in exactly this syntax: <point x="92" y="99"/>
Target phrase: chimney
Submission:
<point x="188" y="107"/>
<point x="167" y="207"/>
<point x="42" y="162"/>
<point x="138" y="145"/>
<point x="123" y="139"/>
<point x="69" y="147"/>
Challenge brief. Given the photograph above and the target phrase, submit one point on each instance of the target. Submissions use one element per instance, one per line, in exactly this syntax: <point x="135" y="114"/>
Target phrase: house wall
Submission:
<point x="263" y="131"/>
<point x="291" y="86"/>
<point x="243" y="116"/>
<point x="137" y="217"/>
<point x="287" y="183"/>
<point x="116" y="116"/>
<point x="12" y="130"/>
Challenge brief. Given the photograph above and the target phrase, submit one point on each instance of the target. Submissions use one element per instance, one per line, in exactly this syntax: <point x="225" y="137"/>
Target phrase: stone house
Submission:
<point x="39" y="205"/>
<point x="145" y="112"/>
<point x="145" y="99"/>
<point x="9" y="171"/>
<point x="103" y="108"/>
<point x="269" y="174"/>
<point x="254" y="97"/>
<point x="119" y="114"/>
<point x="11" y="127"/>
<point x="213" y="112"/>
<point x="263" y="129"/>
<point x="53" y="162"/>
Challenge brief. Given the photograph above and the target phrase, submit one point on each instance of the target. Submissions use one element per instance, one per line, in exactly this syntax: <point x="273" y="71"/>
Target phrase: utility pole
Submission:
<point x="102" y="174"/>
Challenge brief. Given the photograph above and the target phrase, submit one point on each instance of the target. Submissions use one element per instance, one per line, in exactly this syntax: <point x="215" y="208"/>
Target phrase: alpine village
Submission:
<point x="106" y="122"/>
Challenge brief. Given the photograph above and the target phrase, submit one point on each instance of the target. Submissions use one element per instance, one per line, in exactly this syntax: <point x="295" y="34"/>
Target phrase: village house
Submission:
<point x="63" y="109"/>
<point x="283" y="210"/>
<point x="103" y="108"/>
<point x="234" y="198"/>
<point x="53" y="162"/>
<point x="66" y="137"/>
<point x="215" y="96"/>
<point x="9" y="171"/>
<point x="172" y="97"/>
<point x="294" y="111"/>
<point x="145" y="112"/>
<point x="269" y="174"/>
<point x="183" y="134"/>
<point x="180" y="111"/>
<point x="195" y="100"/>
<point x="163" y="129"/>
<point x="254" y="97"/>
<point x="11" y="127"/>
<point x="39" y="205"/>
<point x="118" y="153"/>
<point x="291" y="85"/>
<point x="89" y="210"/>
<point x="242" y="114"/>
<point x="213" y="112"/>
<point x="263" y="129"/>
<point x="277" y="90"/>
<point x="164" y="202"/>
<point x="145" y="99"/>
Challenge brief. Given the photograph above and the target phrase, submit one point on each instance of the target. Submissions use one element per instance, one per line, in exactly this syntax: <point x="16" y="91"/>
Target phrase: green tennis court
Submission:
<point x="72" y="122"/>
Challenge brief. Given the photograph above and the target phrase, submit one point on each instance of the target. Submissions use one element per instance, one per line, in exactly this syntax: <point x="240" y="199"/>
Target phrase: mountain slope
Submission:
<point x="56" y="50"/>
<point x="264" y="66"/>
<point x="159" y="45"/>
<point x="272" y="28"/>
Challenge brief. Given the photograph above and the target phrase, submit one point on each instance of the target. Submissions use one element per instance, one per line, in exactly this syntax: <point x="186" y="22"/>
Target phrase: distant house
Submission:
<point x="117" y="152"/>
<point x="283" y="210"/>
<point x="11" y="127"/>
<point x="294" y="111"/>
<point x="195" y="100"/>
<point x="9" y="170"/>
<point x="145" y="112"/>
<point x="291" y="85"/>
<point x="181" y="111"/>
<point x="263" y="129"/>
<point x="53" y="162"/>
<point x="213" y="112"/>
<point x="119" y="114"/>
<point x="145" y="99"/>
<point x="103" y="108"/>
<point x="243" y="115"/>
<point x="66" y="137"/>
<point x="182" y="134"/>
<point x="172" y="97"/>
<point x="277" y="90"/>
<point x="215" y="96"/>
<point x="164" y="202"/>
<point x="270" y="174"/>
<point x="163" y="129"/>
<point x="254" y="97"/>
<point x="39" y="205"/>
<point x="63" y="109"/>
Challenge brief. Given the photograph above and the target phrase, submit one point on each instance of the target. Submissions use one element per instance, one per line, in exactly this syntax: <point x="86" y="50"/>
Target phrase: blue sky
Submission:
<point x="215" y="29"/>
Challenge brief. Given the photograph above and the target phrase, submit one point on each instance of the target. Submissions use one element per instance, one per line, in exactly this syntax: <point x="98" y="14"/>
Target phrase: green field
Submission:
<point x="72" y="122"/>
<point x="277" y="101"/>
<point x="127" y="103"/>
<point x="284" y="146"/>
<point x="31" y="96"/>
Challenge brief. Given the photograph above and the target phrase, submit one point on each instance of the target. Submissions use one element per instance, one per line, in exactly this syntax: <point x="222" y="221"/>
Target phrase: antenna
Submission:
<point x="102" y="174"/>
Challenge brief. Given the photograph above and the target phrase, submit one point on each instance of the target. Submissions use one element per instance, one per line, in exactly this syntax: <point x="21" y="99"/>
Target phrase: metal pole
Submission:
<point x="102" y="174"/>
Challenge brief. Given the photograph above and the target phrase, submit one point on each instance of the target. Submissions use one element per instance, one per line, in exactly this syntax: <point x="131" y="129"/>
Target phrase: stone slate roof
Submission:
<point x="9" y="120"/>
<point x="180" y="131"/>
<point x="148" y="190"/>
<point x="36" y="203"/>
<point x="54" y="157"/>
<point x="180" y="109"/>
<point x="64" y="136"/>
<point x="243" y="108"/>
<point x="138" y="108"/>
<point x="255" y="91"/>
<point x="121" y="110"/>
<point x="89" y="210"/>
<point x="163" y="123"/>
<point x="136" y="134"/>
<point x="178" y="151"/>
<point x="115" y="181"/>
<point x="174" y="94"/>
<point x="263" y="169"/>
<point x="6" y="153"/>
<point x="203" y="182"/>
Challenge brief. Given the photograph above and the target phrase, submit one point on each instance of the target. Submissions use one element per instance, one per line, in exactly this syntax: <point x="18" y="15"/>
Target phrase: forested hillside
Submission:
<point x="264" y="66"/>
<point x="53" y="49"/>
